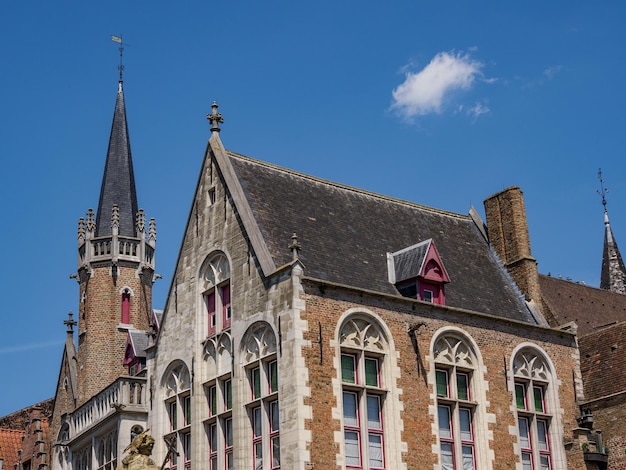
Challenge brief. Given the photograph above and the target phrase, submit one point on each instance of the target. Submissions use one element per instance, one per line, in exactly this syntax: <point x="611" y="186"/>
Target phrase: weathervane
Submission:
<point x="603" y="191"/>
<point x="118" y="39"/>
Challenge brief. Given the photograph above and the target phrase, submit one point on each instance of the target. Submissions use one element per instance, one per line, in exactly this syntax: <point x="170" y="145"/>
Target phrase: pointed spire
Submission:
<point x="613" y="274"/>
<point x="118" y="181"/>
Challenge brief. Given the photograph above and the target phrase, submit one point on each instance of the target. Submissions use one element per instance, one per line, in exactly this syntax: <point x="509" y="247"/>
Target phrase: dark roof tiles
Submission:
<point x="346" y="233"/>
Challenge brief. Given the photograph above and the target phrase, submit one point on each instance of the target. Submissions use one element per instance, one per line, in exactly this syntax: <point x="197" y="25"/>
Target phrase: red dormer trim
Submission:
<point x="432" y="268"/>
<point x="129" y="352"/>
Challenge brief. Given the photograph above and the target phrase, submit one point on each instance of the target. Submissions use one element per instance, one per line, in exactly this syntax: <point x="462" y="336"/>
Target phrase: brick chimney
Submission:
<point x="507" y="229"/>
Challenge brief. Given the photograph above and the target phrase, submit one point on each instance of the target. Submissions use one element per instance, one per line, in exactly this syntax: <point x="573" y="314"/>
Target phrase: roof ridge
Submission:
<point x="348" y="187"/>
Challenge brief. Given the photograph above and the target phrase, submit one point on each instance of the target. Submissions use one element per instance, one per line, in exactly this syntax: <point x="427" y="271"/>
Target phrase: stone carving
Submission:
<point x="454" y="351"/>
<point x="139" y="452"/>
<point x="528" y="365"/>
<point x="362" y="334"/>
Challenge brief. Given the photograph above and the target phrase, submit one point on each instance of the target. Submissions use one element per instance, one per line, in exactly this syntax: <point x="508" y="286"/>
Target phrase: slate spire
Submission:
<point x="613" y="275"/>
<point x="118" y="181"/>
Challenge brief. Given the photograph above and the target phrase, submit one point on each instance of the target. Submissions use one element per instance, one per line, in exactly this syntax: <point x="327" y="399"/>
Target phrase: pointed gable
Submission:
<point x="421" y="260"/>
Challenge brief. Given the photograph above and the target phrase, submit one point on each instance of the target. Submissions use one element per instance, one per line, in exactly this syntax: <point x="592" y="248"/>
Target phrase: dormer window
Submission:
<point x="418" y="272"/>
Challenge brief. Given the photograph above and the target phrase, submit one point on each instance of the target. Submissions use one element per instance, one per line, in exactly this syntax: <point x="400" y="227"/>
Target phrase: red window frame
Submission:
<point x="257" y="436"/>
<point x="228" y="441"/>
<point x="274" y="434"/>
<point x="213" y="446"/>
<point x="226" y="308"/>
<point x="211" y="318"/>
<point x="125" y="308"/>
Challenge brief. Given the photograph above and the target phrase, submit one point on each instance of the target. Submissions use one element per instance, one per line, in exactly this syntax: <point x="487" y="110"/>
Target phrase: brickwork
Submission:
<point x="496" y="340"/>
<point x="609" y="415"/>
<point x="508" y="235"/>
<point x="101" y="337"/>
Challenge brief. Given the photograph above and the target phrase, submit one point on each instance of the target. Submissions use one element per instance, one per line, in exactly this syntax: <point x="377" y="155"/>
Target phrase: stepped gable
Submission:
<point x="346" y="233"/>
<point x="591" y="308"/>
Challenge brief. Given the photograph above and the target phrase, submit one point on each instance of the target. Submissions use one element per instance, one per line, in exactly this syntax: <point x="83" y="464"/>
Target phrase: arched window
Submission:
<point x="261" y="365"/>
<point x="215" y="287"/>
<point x="134" y="432"/>
<point x="455" y="367"/>
<point x="363" y="355"/>
<point x="82" y="459"/>
<point x="126" y="294"/>
<point x="533" y="377"/>
<point x="178" y="407"/>
<point x="62" y="450"/>
<point x="107" y="451"/>
<point x="219" y="393"/>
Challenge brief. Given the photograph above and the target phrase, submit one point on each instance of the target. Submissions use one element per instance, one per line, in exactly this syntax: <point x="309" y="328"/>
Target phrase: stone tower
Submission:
<point x="115" y="267"/>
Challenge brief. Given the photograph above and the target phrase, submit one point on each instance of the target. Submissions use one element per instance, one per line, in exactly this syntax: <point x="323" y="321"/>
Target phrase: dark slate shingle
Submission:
<point x="346" y="234"/>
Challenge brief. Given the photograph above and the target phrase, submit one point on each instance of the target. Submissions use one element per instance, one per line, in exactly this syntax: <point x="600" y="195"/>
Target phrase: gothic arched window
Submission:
<point x="363" y="356"/>
<point x="455" y="367"/>
<point x="533" y="379"/>
<point x="261" y="365"/>
<point x="215" y="287"/>
<point x="219" y="393"/>
<point x="178" y="407"/>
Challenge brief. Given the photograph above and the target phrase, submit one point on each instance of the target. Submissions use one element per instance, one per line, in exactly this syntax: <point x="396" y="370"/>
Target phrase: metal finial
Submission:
<point x="603" y="191"/>
<point x="215" y="118"/>
<point x="294" y="246"/>
<point x="118" y="39"/>
<point x="70" y="323"/>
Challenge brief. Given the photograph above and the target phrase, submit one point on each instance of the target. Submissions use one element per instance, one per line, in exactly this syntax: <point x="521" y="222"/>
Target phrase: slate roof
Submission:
<point x="346" y="233"/>
<point x="139" y="340"/>
<point x="118" y="181"/>
<point x="591" y="308"/>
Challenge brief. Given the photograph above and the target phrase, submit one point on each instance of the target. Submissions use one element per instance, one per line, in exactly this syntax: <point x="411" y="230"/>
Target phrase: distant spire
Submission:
<point x="118" y="181"/>
<point x="613" y="274"/>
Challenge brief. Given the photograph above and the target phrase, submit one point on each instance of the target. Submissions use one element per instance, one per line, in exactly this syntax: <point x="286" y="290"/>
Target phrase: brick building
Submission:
<point x="310" y="325"/>
<point x="313" y="325"/>
<point x="600" y="318"/>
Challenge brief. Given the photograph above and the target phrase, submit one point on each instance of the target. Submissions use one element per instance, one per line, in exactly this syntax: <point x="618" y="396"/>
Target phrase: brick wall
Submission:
<point x="496" y="339"/>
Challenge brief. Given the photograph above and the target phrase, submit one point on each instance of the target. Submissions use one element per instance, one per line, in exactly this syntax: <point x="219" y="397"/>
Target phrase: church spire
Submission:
<point x="613" y="274"/>
<point x="118" y="181"/>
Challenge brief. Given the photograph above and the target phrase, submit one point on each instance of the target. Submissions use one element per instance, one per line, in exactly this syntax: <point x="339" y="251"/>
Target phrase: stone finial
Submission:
<point x="91" y="220"/>
<point x="294" y="246"/>
<point x="152" y="231"/>
<point x="215" y="118"/>
<point x="141" y="221"/>
<point x="81" y="229"/>
<point x="70" y="323"/>
<point x="115" y="217"/>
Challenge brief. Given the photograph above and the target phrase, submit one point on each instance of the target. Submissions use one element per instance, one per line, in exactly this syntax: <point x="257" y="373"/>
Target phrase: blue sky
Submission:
<point x="441" y="103"/>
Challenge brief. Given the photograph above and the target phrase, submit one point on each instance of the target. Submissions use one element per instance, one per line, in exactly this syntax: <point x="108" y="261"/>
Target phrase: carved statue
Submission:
<point x="139" y="452"/>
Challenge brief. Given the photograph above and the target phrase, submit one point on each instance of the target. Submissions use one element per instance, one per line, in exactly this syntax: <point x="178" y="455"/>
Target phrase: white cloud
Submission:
<point x="424" y="92"/>
<point x="552" y="71"/>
